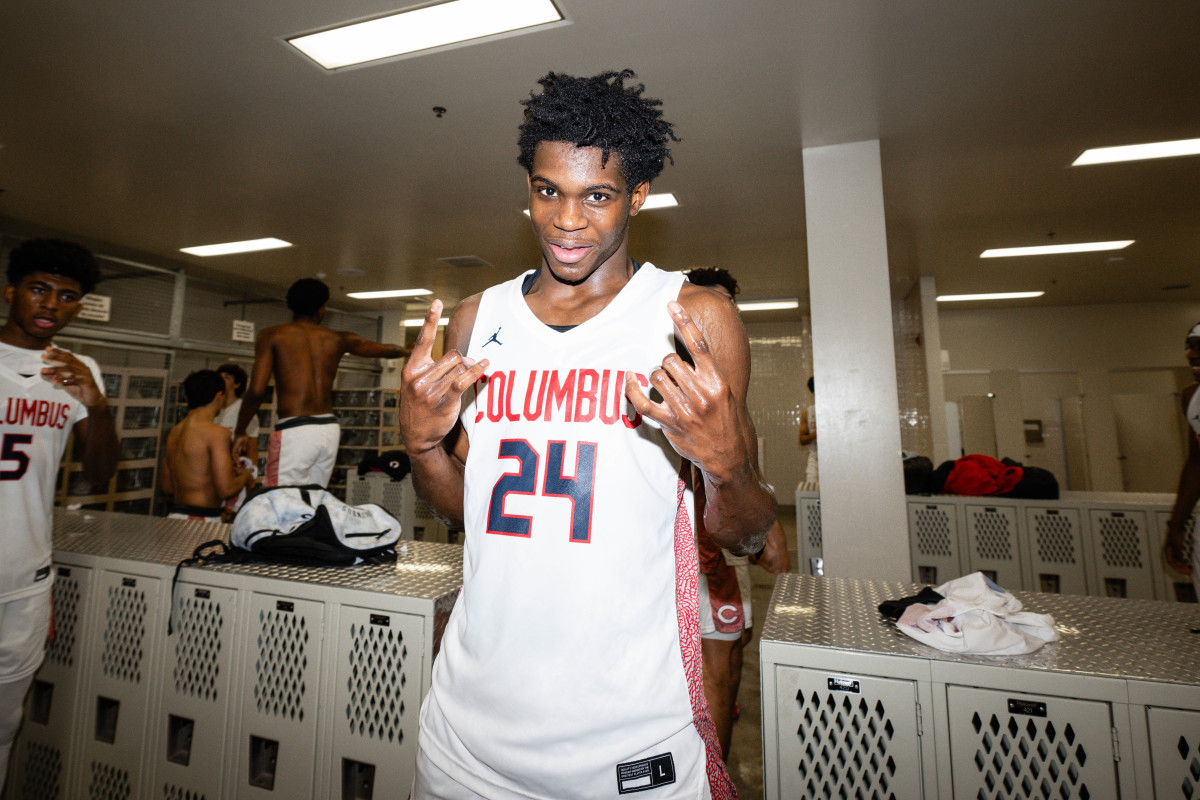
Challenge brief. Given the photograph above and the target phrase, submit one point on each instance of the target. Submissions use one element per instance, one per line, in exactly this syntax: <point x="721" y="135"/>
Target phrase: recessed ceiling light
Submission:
<point x="1138" y="152"/>
<point x="416" y="323"/>
<point x="351" y="272"/>
<point x="388" y="293"/>
<point x="248" y="246"/>
<point x="768" y="305"/>
<point x="955" y="298"/>
<point x="1054" y="249"/>
<point x="421" y="29"/>
<point x="653" y="201"/>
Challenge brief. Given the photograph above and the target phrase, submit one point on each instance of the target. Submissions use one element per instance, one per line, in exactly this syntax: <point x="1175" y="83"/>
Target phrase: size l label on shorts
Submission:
<point x="638" y="776"/>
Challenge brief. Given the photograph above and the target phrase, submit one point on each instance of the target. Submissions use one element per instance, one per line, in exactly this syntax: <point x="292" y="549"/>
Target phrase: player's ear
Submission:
<point x="10" y="293"/>
<point x="638" y="197"/>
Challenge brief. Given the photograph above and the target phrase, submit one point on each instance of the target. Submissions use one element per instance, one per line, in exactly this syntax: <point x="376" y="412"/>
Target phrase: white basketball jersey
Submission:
<point x="570" y="666"/>
<point x="36" y="417"/>
<point x="1193" y="413"/>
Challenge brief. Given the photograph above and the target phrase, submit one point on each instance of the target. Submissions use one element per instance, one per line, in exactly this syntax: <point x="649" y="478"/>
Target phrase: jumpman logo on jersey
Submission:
<point x="495" y="337"/>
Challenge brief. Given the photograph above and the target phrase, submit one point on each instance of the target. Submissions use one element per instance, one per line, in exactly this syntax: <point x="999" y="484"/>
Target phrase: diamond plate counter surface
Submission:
<point x="422" y="569"/>
<point x="1133" y="639"/>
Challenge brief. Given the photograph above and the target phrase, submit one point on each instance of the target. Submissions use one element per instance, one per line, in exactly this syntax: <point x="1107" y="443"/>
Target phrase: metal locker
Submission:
<point x="1121" y="557"/>
<point x="934" y="542"/>
<point x="377" y="685"/>
<point x="1174" y="587"/>
<point x="395" y="497"/>
<point x="994" y="543"/>
<point x="194" y="714"/>
<point x="1007" y="744"/>
<point x="277" y="736"/>
<point x="1174" y="752"/>
<point x="44" y="755"/>
<point x="854" y="735"/>
<point x="808" y="533"/>
<point x="120" y="691"/>
<point x="1055" y="544"/>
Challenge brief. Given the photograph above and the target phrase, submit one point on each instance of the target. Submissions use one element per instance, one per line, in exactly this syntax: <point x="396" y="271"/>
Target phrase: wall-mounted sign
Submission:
<point x="96" y="308"/>
<point x="243" y="330"/>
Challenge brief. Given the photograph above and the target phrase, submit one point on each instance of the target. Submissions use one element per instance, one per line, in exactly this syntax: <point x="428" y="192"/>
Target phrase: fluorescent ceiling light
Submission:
<point x="653" y="201"/>
<point x="768" y="305"/>
<point x="388" y="293"/>
<point x="416" y="323"/>
<point x="955" y="298"/>
<point x="422" y="29"/>
<point x="248" y="246"/>
<point x="1138" y="152"/>
<point x="1053" y="249"/>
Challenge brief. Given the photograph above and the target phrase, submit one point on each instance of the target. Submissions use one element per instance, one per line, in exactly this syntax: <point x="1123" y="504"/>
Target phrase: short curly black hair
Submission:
<point x="600" y="111"/>
<point x="306" y="296"/>
<point x="714" y="276"/>
<point x="54" y="257"/>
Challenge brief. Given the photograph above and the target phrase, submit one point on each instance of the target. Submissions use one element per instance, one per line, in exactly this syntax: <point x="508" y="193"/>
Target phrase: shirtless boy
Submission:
<point x="303" y="355"/>
<point x="198" y="468"/>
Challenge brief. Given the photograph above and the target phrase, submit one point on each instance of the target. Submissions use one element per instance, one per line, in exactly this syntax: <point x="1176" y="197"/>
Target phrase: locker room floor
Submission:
<point x="745" y="756"/>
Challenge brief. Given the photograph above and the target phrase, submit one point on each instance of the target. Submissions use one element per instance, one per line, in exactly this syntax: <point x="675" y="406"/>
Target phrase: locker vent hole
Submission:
<point x="1190" y="754"/>
<point x="812" y="525"/>
<point x="1028" y="757"/>
<point x="1120" y="542"/>
<point x="109" y="783"/>
<point x="933" y="533"/>
<point x="198" y="647"/>
<point x="1055" y="539"/>
<point x="281" y="665"/>
<point x="66" y="619"/>
<point x="124" y="634"/>
<point x="377" y="679"/>
<point x="844" y="747"/>
<point x="994" y="536"/>
<point x="43" y="771"/>
<point x="170" y="792"/>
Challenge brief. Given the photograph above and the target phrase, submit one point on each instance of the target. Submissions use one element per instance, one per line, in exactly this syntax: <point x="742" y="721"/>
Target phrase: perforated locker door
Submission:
<point x="846" y="735"/>
<point x="1054" y="542"/>
<point x="44" y="754"/>
<point x="1174" y="587"/>
<point x="1006" y="745"/>
<point x="1174" y="752"/>
<point x="994" y="544"/>
<point x="1121" y="554"/>
<point x="117" y="699"/>
<point x="281" y="682"/>
<point x="194" y="715"/>
<point x="808" y="531"/>
<point x="934" y="542"/>
<point x="377" y="683"/>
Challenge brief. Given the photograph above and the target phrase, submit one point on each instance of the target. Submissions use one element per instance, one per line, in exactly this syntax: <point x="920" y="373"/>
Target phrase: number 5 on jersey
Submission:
<point x="523" y="481"/>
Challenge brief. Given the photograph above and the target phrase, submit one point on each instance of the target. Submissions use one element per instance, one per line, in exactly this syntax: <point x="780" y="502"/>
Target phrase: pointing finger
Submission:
<point x="423" y="348"/>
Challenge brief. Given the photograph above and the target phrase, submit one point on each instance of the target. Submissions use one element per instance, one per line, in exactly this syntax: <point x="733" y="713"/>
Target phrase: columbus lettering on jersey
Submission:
<point x="577" y="395"/>
<point x="37" y="413"/>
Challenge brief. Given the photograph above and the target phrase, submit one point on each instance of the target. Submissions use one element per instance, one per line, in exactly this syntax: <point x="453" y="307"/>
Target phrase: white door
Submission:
<point x="1149" y="438"/>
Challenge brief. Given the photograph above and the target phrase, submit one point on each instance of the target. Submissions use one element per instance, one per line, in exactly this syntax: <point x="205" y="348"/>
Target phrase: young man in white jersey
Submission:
<point x="1189" y="478"/>
<point x="570" y="666"/>
<point x="45" y="394"/>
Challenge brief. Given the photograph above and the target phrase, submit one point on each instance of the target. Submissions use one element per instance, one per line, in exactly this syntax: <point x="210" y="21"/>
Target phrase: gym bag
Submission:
<point x="307" y="524"/>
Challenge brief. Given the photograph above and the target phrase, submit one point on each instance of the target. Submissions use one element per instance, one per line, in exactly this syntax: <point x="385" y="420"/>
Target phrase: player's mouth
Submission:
<point x="569" y="254"/>
<point x="45" y="322"/>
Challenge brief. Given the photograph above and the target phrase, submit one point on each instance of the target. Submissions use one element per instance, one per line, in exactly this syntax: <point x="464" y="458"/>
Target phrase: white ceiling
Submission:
<point x="147" y="127"/>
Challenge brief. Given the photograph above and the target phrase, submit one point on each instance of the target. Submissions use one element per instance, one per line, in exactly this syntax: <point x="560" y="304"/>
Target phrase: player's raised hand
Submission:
<point x="430" y="391"/>
<point x="65" y="370"/>
<point x="699" y="412"/>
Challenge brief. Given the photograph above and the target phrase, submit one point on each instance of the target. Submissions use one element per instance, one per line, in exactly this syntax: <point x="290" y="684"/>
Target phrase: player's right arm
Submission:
<point x="256" y="390"/>
<point x="1186" y="498"/>
<point x="430" y="400"/>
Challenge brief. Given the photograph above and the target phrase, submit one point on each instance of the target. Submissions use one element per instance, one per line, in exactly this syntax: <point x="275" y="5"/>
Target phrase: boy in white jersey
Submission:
<point x="45" y="393"/>
<point x="1189" y="478"/>
<point x="571" y="663"/>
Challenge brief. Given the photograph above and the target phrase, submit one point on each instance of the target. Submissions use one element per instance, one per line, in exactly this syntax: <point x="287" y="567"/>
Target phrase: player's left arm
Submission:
<point x="356" y="345"/>
<point x="704" y="415"/>
<point x="96" y="435"/>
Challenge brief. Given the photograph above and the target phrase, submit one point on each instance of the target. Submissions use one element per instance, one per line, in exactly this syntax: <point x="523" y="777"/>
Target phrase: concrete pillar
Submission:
<point x="931" y="335"/>
<point x="863" y="521"/>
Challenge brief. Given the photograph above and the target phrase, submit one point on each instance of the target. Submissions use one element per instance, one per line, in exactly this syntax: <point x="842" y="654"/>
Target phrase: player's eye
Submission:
<point x="598" y="197"/>
<point x="545" y="191"/>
